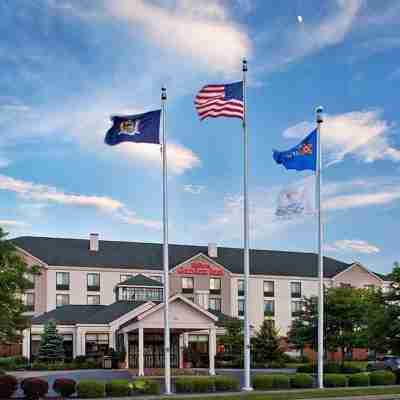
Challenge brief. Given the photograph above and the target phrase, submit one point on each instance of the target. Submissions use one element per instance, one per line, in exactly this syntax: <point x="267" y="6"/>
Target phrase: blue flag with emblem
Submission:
<point x="139" y="128"/>
<point x="301" y="157"/>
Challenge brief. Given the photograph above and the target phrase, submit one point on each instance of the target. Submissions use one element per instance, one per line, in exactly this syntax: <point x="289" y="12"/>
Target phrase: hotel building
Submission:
<point x="105" y="294"/>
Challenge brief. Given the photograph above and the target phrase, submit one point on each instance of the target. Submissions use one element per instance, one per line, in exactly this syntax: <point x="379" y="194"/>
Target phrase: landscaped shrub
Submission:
<point x="146" y="386"/>
<point x="382" y="378"/>
<point x="332" y="368"/>
<point x="8" y="385"/>
<point x="64" y="387"/>
<point x="12" y="363"/>
<point x="226" y="383"/>
<point x="184" y="385"/>
<point x="335" y="380"/>
<point x="34" y="388"/>
<point x="203" y="384"/>
<point x="352" y="368"/>
<point x="301" y="381"/>
<point x="118" y="387"/>
<point x="87" y="389"/>
<point x="360" y="379"/>
<point x="307" y="369"/>
<point x="281" y="382"/>
<point x="263" y="382"/>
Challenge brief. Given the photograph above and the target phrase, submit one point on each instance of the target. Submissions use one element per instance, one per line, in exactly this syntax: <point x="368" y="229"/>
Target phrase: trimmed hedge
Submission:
<point x="87" y="389"/>
<point x="8" y="385"/>
<point x="349" y="368"/>
<point x="34" y="388"/>
<point x="64" y="387"/>
<point x="378" y="378"/>
<point x="263" y="382"/>
<point x="360" y="379"/>
<point x="118" y="387"/>
<point x="12" y="363"/>
<point x="146" y="386"/>
<point x="194" y="385"/>
<point x="226" y="384"/>
<point x="335" y="380"/>
<point x="271" y="381"/>
<point x="302" y="381"/>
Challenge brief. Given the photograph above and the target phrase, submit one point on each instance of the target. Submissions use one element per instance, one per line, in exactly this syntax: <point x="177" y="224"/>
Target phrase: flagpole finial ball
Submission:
<point x="319" y="110"/>
<point x="163" y="93"/>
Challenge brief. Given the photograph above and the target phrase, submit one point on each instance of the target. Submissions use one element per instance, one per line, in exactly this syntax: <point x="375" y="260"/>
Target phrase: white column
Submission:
<point x="186" y="340"/>
<point x="80" y="341"/>
<point x="212" y="343"/>
<point x="126" y="345"/>
<point x="181" y="347"/>
<point x="141" y="351"/>
<point x="26" y="343"/>
<point x="112" y="339"/>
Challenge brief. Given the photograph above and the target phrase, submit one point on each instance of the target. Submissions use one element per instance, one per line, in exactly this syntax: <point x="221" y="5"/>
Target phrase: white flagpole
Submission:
<point x="319" y="120"/>
<point x="167" y="359"/>
<point x="247" y="382"/>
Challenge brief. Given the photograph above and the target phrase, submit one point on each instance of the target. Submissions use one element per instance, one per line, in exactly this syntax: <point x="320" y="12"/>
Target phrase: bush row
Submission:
<point x="36" y="388"/>
<point x="12" y="363"/>
<point x="302" y="380"/>
<point x="206" y="384"/>
<point x="332" y="368"/>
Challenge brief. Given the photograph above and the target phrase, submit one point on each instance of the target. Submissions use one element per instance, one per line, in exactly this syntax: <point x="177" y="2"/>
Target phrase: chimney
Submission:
<point x="212" y="250"/>
<point x="94" y="242"/>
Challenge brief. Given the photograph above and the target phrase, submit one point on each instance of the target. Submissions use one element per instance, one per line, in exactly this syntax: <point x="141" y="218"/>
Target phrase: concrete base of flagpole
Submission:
<point x="247" y="389"/>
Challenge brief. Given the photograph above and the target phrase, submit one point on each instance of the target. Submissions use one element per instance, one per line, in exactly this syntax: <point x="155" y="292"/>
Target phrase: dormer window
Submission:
<point x="140" y="288"/>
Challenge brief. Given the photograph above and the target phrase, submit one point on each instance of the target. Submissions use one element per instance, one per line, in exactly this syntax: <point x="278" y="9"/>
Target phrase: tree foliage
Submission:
<point x="233" y="337"/>
<point x="51" y="344"/>
<point x="266" y="344"/>
<point x="348" y="315"/>
<point x="13" y="282"/>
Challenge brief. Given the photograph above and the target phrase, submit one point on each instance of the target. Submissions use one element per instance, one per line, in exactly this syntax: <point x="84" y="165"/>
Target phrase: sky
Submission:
<point x="67" y="65"/>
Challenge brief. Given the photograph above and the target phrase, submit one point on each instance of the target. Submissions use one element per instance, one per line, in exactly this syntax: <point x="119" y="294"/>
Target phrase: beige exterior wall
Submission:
<point x="358" y="277"/>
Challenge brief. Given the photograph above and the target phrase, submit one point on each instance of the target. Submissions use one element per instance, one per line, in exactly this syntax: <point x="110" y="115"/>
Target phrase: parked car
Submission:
<point x="391" y="363"/>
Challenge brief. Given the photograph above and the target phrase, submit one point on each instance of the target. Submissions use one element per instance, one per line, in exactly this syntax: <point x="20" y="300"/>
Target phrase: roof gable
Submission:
<point x="141" y="280"/>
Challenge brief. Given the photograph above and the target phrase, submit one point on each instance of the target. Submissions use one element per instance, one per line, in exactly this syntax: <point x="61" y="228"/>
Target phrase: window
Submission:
<point x="96" y="344"/>
<point x="93" y="282"/>
<point x="62" y="300"/>
<point x="297" y="307"/>
<point x="240" y="287"/>
<point x="29" y="301"/>
<point x="214" y="304"/>
<point x="62" y="280"/>
<point x="157" y="278"/>
<point x="269" y="308"/>
<point x="187" y="285"/>
<point x="240" y="308"/>
<point x="31" y="281"/>
<point x="140" y="294"/>
<point x="93" y="299"/>
<point x="295" y="289"/>
<point x="269" y="289"/>
<point x="215" y="286"/>
<point x="125" y="277"/>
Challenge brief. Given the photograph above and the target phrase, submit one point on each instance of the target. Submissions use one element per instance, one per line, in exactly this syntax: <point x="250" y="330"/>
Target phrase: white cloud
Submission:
<point x="193" y="189"/>
<point x="356" y="246"/>
<point x="50" y="194"/>
<point x="202" y="30"/>
<point x="12" y="223"/>
<point x="363" y="134"/>
<point x="309" y="37"/>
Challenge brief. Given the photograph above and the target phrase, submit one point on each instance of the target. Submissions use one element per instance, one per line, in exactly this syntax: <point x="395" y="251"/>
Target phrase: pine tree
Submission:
<point x="51" y="344"/>
<point x="266" y="344"/>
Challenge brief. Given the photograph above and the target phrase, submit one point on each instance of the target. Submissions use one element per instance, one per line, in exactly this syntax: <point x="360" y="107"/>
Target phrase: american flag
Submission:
<point x="220" y="101"/>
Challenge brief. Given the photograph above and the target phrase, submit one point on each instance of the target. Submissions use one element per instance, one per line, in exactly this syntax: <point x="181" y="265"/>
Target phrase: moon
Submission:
<point x="300" y="19"/>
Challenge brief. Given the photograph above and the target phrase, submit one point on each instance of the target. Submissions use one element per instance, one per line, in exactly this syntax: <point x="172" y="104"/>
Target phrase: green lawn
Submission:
<point x="309" y="394"/>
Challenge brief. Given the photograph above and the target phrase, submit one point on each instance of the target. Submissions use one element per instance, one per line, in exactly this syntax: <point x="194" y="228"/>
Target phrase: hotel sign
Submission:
<point x="200" y="268"/>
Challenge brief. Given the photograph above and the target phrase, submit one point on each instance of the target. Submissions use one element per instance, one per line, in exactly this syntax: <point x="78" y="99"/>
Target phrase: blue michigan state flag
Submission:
<point x="300" y="157"/>
<point x="139" y="128"/>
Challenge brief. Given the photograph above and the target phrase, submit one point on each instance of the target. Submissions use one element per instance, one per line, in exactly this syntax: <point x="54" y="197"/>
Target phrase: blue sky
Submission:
<point x="67" y="65"/>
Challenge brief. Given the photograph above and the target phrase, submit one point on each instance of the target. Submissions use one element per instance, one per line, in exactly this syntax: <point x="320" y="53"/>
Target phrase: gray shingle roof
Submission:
<point x="75" y="252"/>
<point x="141" y="280"/>
<point x="87" y="314"/>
